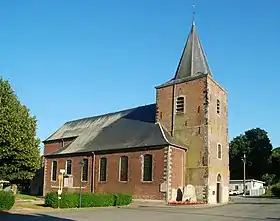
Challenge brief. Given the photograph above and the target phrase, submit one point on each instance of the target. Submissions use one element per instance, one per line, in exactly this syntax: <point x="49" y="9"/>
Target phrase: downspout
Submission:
<point x="62" y="142"/>
<point x="93" y="172"/>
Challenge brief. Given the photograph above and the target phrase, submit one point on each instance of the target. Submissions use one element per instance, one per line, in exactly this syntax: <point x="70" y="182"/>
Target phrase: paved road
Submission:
<point x="242" y="209"/>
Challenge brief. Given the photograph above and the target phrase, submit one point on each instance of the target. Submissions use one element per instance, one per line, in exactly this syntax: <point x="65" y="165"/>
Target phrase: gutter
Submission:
<point x="93" y="172"/>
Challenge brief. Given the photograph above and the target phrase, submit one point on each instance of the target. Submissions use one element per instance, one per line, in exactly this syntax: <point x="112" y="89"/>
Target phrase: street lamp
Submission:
<point x="82" y="163"/>
<point x="60" y="184"/>
<point x="244" y="174"/>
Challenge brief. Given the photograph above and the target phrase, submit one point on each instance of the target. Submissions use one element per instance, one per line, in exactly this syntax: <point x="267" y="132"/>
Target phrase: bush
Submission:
<point x="97" y="200"/>
<point x="72" y="200"/>
<point x="51" y="199"/>
<point x="122" y="199"/>
<point x="69" y="200"/>
<point x="7" y="200"/>
<point x="275" y="189"/>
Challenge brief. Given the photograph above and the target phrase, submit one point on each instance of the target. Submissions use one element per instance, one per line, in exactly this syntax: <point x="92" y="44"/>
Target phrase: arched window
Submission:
<point x="123" y="169"/>
<point x="219" y="178"/>
<point x="180" y="105"/>
<point x="68" y="167"/>
<point x="85" y="170"/>
<point x="103" y="169"/>
<point x="54" y="170"/>
<point x="147" y="167"/>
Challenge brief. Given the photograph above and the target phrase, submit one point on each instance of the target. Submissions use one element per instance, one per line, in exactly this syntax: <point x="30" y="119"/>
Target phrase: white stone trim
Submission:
<point x="169" y="173"/>
<point x="45" y="176"/>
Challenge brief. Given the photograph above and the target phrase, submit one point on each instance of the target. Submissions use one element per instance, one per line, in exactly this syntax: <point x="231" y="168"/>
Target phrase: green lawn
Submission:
<point x="25" y="197"/>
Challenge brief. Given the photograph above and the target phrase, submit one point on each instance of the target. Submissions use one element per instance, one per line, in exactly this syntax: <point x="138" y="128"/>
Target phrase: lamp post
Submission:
<point x="60" y="185"/>
<point x="244" y="174"/>
<point x="82" y="163"/>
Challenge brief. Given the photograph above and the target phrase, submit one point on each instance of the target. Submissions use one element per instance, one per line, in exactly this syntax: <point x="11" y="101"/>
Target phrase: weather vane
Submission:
<point x="193" y="13"/>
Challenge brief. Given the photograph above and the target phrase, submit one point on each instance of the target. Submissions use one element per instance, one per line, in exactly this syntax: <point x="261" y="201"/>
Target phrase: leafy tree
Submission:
<point x="19" y="147"/>
<point x="255" y="143"/>
<point x="268" y="178"/>
<point x="275" y="162"/>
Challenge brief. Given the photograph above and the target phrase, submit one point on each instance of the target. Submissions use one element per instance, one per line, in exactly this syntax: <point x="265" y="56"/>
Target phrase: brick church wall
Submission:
<point x="134" y="186"/>
<point x="50" y="185"/>
<point x="218" y="134"/>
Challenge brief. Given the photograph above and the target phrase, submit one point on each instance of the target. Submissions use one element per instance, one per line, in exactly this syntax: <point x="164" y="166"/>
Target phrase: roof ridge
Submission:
<point x="109" y="113"/>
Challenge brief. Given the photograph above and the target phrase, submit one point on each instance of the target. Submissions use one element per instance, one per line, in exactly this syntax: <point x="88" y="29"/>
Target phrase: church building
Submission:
<point x="173" y="150"/>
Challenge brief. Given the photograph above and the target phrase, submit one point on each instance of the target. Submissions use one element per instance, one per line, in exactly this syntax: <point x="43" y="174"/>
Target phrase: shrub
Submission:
<point x="122" y="199"/>
<point x="72" y="200"/>
<point x="7" y="200"/>
<point x="69" y="200"/>
<point x="275" y="189"/>
<point x="51" y="199"/>
<point x="97" y="200"/>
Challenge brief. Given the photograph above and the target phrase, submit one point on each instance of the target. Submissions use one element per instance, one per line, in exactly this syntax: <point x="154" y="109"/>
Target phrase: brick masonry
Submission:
<point x="76" y="173"/>
<point x="200" y="129"/>
<point x="134" y="186"/>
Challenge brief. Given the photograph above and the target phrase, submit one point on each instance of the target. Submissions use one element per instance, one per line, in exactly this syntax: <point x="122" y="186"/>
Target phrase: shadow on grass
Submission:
<point x="5" y="216"/>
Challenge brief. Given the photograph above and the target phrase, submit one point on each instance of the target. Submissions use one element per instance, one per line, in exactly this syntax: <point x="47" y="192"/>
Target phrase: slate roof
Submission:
<point x="130" y="128"/>
<point x="193" y="63"/>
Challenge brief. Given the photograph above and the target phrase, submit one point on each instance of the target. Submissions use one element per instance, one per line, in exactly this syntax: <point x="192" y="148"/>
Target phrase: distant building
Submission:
<point x="253" y="187"/>
<point x="174" y="150"/>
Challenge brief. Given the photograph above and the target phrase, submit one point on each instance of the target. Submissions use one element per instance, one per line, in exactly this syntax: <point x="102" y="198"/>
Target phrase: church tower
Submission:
<point x="192" y="107"/>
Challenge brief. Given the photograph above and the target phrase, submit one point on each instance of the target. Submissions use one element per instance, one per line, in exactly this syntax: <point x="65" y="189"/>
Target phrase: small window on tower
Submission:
<point x="180" y="105"/>
<point x="218" y="106"/>
<point x="219" y="151"/>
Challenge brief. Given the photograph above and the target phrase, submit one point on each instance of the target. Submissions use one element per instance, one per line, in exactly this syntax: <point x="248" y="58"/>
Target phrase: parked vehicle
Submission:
<point x="233" y="192"/>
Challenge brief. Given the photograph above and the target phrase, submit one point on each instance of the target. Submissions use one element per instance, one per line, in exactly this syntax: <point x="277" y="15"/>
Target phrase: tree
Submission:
<point x="275" y="163"/>
<point x="255" y="143"/>
<point x="19" y="147"/>
<point x="268" y="178"/>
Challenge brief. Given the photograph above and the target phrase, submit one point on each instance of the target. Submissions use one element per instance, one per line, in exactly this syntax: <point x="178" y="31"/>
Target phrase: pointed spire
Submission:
<point x="193" y="61"/>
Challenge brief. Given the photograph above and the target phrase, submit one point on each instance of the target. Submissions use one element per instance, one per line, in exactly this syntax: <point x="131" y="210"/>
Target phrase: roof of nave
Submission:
<point x="129" y="128"/>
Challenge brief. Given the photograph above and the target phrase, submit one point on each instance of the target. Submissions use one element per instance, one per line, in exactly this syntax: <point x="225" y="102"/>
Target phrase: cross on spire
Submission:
<point x="193" y="19"/>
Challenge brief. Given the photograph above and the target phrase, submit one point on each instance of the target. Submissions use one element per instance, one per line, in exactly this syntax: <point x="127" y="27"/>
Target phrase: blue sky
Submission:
<point x="78" y="58"/>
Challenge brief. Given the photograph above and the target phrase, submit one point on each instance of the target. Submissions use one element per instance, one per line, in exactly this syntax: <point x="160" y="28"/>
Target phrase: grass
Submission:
<point x="27" y="206"/>
<point x="25" y="197"/>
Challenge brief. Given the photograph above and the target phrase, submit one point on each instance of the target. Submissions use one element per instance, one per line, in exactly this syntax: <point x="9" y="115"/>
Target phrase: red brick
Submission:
<point x="134" y="186"/>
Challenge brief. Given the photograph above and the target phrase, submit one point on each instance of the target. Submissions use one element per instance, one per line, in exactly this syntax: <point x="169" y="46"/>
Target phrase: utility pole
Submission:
<point x="244" y="174"/>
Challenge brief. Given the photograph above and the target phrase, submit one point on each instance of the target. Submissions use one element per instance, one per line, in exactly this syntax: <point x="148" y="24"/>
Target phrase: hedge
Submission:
<point x="72" y="200"/>
<point x="122" y="199"/>
<point x="7" y="200"/>
<point x="275" y="189"/>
